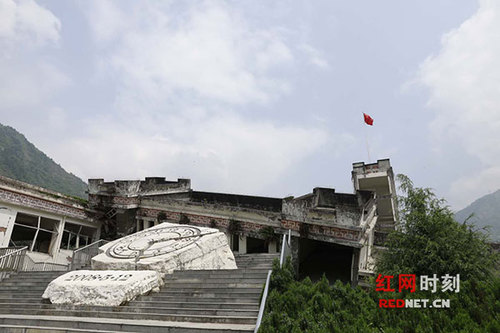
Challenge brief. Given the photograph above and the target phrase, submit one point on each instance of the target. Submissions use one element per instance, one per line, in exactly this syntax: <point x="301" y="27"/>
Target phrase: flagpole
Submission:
<point x="367" y="147"/>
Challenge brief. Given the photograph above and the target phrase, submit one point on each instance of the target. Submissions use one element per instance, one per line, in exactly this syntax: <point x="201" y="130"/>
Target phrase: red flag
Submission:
<point x="368" y="119"/>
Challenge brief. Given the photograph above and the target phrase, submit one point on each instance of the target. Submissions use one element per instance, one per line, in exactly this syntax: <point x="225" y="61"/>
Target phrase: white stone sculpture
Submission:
<point x="167" y="247"/>
<point x="102" y="288"/>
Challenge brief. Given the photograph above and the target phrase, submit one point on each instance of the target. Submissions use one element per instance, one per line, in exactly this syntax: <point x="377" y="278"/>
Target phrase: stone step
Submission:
<point x="10" y="289"/>
<point x="190" y="299"/>
<point x="222" y="271"/>
<point x="210" y="290"/>
<point x="176" y="284"/>
<point x="40" y="329"/>
<point x="259" y="275"/>
<point x="30" y="308"/>
<point x="23" y="284"/>
<point x="27" y="294"/>
<point x="15" y="299"/>
<point x="197" y="304"/>
<point x="215" y="279"/>
<point x="211" y="294"/>
<point x="123" y="325"/>
<point x="256" y="255"/>
<point x="200" y="318"/>
<point x="40" y="274"/>
<point x="254" y="259"/>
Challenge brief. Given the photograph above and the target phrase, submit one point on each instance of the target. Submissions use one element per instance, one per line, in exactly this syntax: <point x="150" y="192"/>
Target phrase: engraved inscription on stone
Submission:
<point x="98" y="277"/>
<point x="167" y="247"/>
<point x="154" y="242"/>
<point x="103" y="288"/>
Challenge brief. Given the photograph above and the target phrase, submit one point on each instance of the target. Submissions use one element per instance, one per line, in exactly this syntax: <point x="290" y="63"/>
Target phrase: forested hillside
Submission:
<point x="21" y="160"/>
<point x="485" y="212"/>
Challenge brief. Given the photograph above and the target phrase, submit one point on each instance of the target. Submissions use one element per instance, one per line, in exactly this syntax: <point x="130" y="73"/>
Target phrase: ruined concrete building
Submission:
<point x="332" y="233"/>
<point x="49" y="223"/>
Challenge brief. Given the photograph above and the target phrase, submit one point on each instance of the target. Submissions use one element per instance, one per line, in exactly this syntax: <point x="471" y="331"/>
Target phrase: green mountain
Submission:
<point x="21" y="160"/>
<point x="486" y="212"/>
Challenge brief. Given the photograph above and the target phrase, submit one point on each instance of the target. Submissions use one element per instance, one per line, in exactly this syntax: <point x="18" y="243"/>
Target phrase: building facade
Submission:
<point x="49" y="223"/>
<point x="333" y="233"/>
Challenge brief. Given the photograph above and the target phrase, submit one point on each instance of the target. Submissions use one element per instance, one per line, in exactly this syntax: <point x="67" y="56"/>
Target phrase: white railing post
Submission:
<point x="263" y="302"/>
<point x="285" y="247"/>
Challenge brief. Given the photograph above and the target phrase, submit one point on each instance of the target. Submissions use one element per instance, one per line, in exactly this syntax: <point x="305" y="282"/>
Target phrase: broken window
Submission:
<point x="36" y="232"/>
<point x="75" y="236"/>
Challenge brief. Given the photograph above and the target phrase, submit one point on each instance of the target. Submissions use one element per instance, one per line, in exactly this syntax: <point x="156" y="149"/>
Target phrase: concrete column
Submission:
<point x="56" y="244"/>
<point x="97" y="235"/>
<point x="271" y="247"/>
<point x="139" y="225"/>
<point x="243" y="244"/>
<point x="355" y="267"/>
<point x="7" y="219"/>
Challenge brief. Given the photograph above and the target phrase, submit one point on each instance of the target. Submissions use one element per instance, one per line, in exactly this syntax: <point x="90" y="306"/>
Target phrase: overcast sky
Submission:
<point x="258" y="97"/>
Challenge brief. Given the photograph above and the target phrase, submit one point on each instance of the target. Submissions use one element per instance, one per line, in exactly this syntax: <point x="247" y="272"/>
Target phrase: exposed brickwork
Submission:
<point x="247" y="227"/>
<point x="200" y="220"/>
<point x="42" y="204"/>
<point x="339" y="233"/>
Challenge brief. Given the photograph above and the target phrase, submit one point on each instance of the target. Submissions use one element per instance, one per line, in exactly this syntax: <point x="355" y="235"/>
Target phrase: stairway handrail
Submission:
<point x="285" y="248"/>
<point x="263" y="301"/>
<point x="14" y="252"/>
<point x="285" y="251"/>
<point x="12" y="262"/>
<point x="86" y="253"/>
<point x="91" y="244"/>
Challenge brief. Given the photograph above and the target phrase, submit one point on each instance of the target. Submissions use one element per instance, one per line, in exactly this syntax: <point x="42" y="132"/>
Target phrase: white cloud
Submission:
<point x="315" y="57"/>
<point x="222" y="152"/>
<point x="208" y="50"/>
<point x="27" y="78"/>
<point x="464" y="84"/>
<point x="26" y="21"/>
<point x="24" y="84"/>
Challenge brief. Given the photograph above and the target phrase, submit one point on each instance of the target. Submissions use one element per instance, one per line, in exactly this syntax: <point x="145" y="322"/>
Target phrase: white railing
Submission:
<point x="83" y="255"/>
<point x="11" y="260"/>
<point x="29" y="265"/>
<point x="285" y="252"/>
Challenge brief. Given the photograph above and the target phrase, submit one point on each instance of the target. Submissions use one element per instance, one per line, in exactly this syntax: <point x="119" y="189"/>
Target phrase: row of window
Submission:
<point x="40" y="234"/>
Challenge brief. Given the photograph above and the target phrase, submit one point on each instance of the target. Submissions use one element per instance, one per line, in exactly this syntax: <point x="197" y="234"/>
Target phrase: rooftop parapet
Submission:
<point x="362" y="168"/>
<point x="132" y="188"/>
<point x="14" y="185"/>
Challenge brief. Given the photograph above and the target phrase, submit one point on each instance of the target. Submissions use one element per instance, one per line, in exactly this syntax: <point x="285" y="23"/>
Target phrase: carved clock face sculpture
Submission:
<point x="154" y="242"/>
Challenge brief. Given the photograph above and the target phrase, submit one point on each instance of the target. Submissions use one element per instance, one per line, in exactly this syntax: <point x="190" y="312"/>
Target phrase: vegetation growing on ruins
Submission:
<point x="234" y="227"/>
<point x="428" y="241"/>
<point x="268" y="234"/>
<point x="184" y="219"/>
<point x="161" y="217"/>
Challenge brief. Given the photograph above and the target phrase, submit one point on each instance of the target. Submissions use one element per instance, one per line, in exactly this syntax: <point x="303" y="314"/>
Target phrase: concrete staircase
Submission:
<point x="191" y="301"/>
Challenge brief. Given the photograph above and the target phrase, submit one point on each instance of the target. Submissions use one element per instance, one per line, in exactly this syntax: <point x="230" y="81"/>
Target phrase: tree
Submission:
<point x="429" y="241"/>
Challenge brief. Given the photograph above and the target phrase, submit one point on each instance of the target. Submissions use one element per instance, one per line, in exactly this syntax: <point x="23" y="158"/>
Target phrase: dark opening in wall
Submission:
<point x="235" y="242"/>
<point x="316" y="258"/>
<point x="255" y="245"/>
